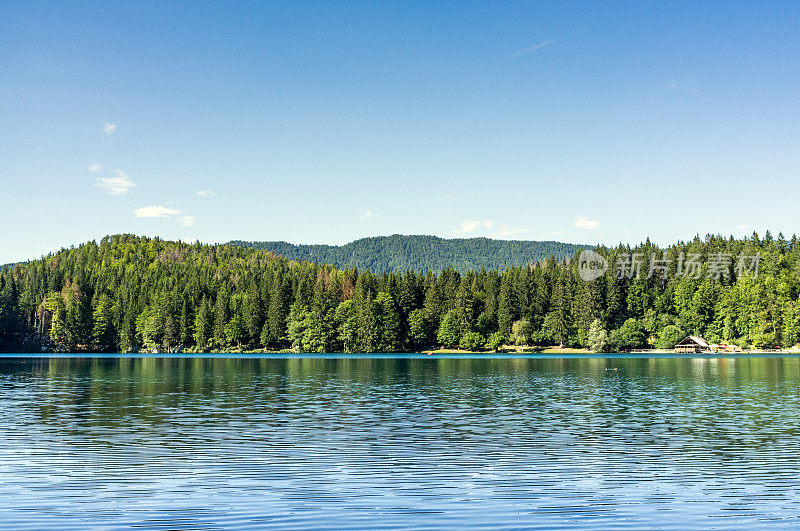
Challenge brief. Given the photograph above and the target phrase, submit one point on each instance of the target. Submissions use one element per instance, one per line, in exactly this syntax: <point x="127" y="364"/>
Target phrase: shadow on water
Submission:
<point x="383" y="442"/>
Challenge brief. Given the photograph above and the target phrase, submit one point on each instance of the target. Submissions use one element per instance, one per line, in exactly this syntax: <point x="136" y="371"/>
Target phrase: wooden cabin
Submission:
<point x="692" y="344"/>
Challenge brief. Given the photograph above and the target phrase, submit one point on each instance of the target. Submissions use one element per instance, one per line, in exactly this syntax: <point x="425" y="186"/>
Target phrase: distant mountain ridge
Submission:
<point x="399" y="253"/>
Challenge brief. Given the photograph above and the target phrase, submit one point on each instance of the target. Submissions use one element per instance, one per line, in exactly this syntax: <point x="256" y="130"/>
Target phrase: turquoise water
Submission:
<point x="399" y="442"/>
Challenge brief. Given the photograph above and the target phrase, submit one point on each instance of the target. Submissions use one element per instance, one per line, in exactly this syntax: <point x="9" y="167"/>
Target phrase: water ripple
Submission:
<point x="220" y="443"/>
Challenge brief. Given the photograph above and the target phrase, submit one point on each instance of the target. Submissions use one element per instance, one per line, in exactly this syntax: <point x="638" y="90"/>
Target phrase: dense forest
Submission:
<point x="398" y="254"/>
<point x="128" y="293"/>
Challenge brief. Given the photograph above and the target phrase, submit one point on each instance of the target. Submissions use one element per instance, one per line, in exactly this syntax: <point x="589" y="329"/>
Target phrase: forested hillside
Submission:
<point x="397" y="253"/>
<point x="128" y="293"/>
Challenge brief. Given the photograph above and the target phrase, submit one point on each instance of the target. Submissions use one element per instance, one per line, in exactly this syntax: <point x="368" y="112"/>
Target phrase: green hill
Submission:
<point x="134" y="294"/>
<point x="399" y="253"/>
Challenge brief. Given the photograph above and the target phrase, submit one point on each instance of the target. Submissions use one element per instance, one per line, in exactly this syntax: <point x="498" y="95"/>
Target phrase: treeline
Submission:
<point x="128" y="293"/>
<point x="398" y="254"/>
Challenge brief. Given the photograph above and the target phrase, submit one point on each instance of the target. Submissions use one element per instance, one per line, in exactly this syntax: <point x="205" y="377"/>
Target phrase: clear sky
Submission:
<point x="325" y="122"/>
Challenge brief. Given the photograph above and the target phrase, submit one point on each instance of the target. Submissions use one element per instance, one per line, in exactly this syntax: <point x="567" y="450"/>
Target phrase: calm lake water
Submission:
<point x="251" y="442"/>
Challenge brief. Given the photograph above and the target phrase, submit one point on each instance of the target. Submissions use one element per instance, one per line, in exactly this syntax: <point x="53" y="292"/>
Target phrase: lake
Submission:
<point x="399" y="442"/>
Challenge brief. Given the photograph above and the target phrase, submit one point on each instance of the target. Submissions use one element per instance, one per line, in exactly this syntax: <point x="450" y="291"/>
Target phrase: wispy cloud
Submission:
<point x="472" y="225"/>
<point x="119" y="185"/>
<point x="95" y="167"/>
<point x="507" y="232"/>
<point x="109" y="128"/>
<point x="559" y="233"/>
<point x="205" y="193"/>
<point x="186" y="221"/>
<point x="531" y="49"/>
<point x="475" y="225"/>
<point x="155" y="211"/>
<point x="367" y="214"/>
<point x="539" y="46"/>
<point x="742" y="227"/>
<point x="585" y="223"/>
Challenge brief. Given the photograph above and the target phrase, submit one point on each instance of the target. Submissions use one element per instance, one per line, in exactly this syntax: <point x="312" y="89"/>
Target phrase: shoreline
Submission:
<point x="438" y="354"/>
<point x="554" y="350"/>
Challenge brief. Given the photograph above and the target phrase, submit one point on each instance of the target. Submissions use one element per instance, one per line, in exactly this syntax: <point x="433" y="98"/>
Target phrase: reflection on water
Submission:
<point x="437" y="443"/>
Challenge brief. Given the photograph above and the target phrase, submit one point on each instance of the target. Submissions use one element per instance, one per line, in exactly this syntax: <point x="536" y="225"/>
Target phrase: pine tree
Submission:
<point x="10" y="322"/>
<point x="104" y="338"/>
<point x="388" y="324"/>
<point x="276" y="314"/>
<point x="203" y="325"/>
<point x="420" y="326"/>
<point x="221" y="313"/>
<point x="186" y="325"/>
<point x="255" y="316"/>
<point x="506" y="314"/>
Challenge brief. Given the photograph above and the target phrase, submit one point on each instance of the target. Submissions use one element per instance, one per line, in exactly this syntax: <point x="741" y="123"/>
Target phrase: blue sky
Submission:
<point x="325" y="122"/>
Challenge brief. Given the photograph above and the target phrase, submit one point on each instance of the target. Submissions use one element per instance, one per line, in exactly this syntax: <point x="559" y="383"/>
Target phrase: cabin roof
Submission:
<point x="694" y="340"/>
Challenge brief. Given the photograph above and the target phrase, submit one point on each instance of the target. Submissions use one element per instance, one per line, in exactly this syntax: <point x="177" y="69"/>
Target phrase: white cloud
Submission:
<point x="155" y="211"/>
<point x="467" y="226"/>
<point x="559" y="233"/>
<point x="585" y="223"/>
<point x="506" y="232"/>
<point x="627" y="232"/>
<point x="186" y="221"/>
<point x="95" y="167"/>
<point x="109" y="128"/>
<point x="190" y="241"/>
<point x="367" y="214"/>
<point x="119" y="185"/>
<point x="742" y="227"/>
<point x="472" y="226"/>
<point x="205" y="193"/>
